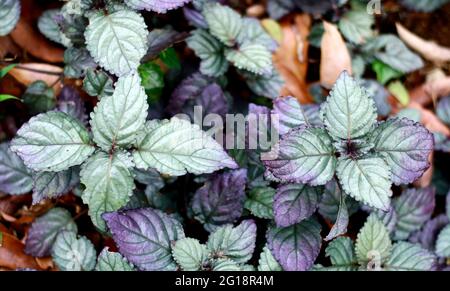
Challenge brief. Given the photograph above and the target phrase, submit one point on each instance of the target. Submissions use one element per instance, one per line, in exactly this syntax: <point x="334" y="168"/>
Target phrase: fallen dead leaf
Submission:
<point x="291" y="57"/>
<point x="430" y="120"/>
<point x="335" y="56"/>
<point x="12" y="255"/>
<point x="31" y="72"/>
<point x="428" y="49"/>
<point x="438" y="88"/>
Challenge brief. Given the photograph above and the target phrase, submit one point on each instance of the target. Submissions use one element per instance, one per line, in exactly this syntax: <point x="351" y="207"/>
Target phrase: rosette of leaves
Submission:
<point x="226" y="38"/>
<point x="365" y="156"/>
<point x="53" y="143"/>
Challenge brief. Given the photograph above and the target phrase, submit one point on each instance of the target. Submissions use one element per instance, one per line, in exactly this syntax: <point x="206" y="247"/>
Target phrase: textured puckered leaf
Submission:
<point x="73" y="254"/>
<point x="221" y="199"/>
<point x="305" y="155"/>
<point x="97" y="83"/>
<point x="190" y="254"/>
<point x="295" y="247"/>
<point x="252" y="31"/>
<point x="341" y="253"/>
<point x="291" y="114"/>
<point x="54" y="184"/>
<point x="77" y="61"/>
<point x="349" y="112"/>
<point x="14" y="176"/>
<point x="49" y="27"/>
<point x="443" y="243"/>
<point x="260" y="202"/>
<point x="44" y="230"/>
<point x="53" y="141"/>
<point x="443" y="109"/>
<point x="414" y="207"/>
<point x="156" y="5"/>
<point x="9" y="15"/>
<point x="267" y="85"/>
<point x="405" y="145"/>
<point x="73" y="27"/>
<point x="176" y="147"/>
<point x="210" y="51"/>
<point x="367" y="180"/>
<point x="117" y="41"/>
<point x="373" y="244"/>
<point x="295" y="202"/>
<point x="109" y="184"/>
<point x="424" y="5"/>
<point x="391" y="50"/>
<point x="410" y="257"/>
<point x="118" y="119"/>
<point x="331" y="200"/>
<point x="341" y="223"/>
<point x="39" y="97"/>
<point x="252" y="57"/>
<point x="145" y="236"/>
<point x="267" y="262"/>
<point x="356" y="26"/>
<point x="236" y="243"/>
<point x="389" y="218"/>
<point x="224" y="22"/>
<point x="69" y="101"/>
<point x="109" y="261"/>
<point x="426" y="237"/>
<point x="225" y="265"/>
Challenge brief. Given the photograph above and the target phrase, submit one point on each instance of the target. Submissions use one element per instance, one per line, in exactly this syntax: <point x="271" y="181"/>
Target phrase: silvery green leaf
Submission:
<point x="373" y="244"/>
<point x="389" y="218"/>
<point x="52" y="141"/>
<point x="39" y="97"/>
<point x="341" y="253"/>
<point x="341" y="223"/>
<point x="267" y="262"/>
<point x="294" y="203"/>
<point x="380" y="96"/>
<point x="295" y="247"/>
<point x="291" y="114"/>
<point x="149" y="177"/>
<point x="156" y="5"/>
<point x="113" y="44"/>
<point x="330" y="202"/>
<point x="14" y="176"/>
<point x="410" y="257"/>
<point x="356" y="26"/>
<point x="49" y="27"/>
<point x="72" y="253"/>
<point x="97" y="83"/>
<point x="9" y="15"/>
<point x="44" y="230"/>
<point x="391" y="50"/>
<point x="210" y="51"/>
<point x="252" y="57"/>
<point x="443" y="243"/>
<point x="260" y="202"/>
<point x="190" y="254"/>
<point x="349" y="112"/>
<point x="54" y="184"/>
<point x="267" y="85"/>
<point x="223" y="22"/>
<point x="367" y="180"/>
<point x="145" y="236"/>
<point x="225" y="265"/>
<point x="72" y="26"/>
<point x="110" y="261"/>
<point x="414" y="207"/>
<point x="278" y="8"/>
<point x="118" y="119"/>
<point x="176" y="147"/>
<point x="443" y="109"/>
<point x="303" y="155"/>
<point x="405" y="146"/>
<point x="77" y="61"/>
<point x="253" y="32"/>
<point x="236" y="243"/>
<point x="424" y="5"/>
<point x="109" y="183"/>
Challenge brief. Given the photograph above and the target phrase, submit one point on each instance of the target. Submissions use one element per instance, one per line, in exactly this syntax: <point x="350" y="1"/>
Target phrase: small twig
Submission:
<point x="38" y="71"/>
<point x="80" y="214"/>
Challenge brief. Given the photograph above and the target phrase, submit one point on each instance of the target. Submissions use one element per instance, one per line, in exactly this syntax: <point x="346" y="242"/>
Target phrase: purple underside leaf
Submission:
<point x="296" y="247"/>
<point x="198" y="90"/>
<point x="145" y="236"/>
<point x="294" y="203"/>
<point x="160" y="6"/>
<point x="426" y="237"/>
<point x="195" y="18"/>
<point x="221" y="199"/>
<point x="303" y="155"/>
<point x="69" y="101"/>
<point x="161" y="39"/>
<point x="414" y="207"/>
<point x="406" y="147"/>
